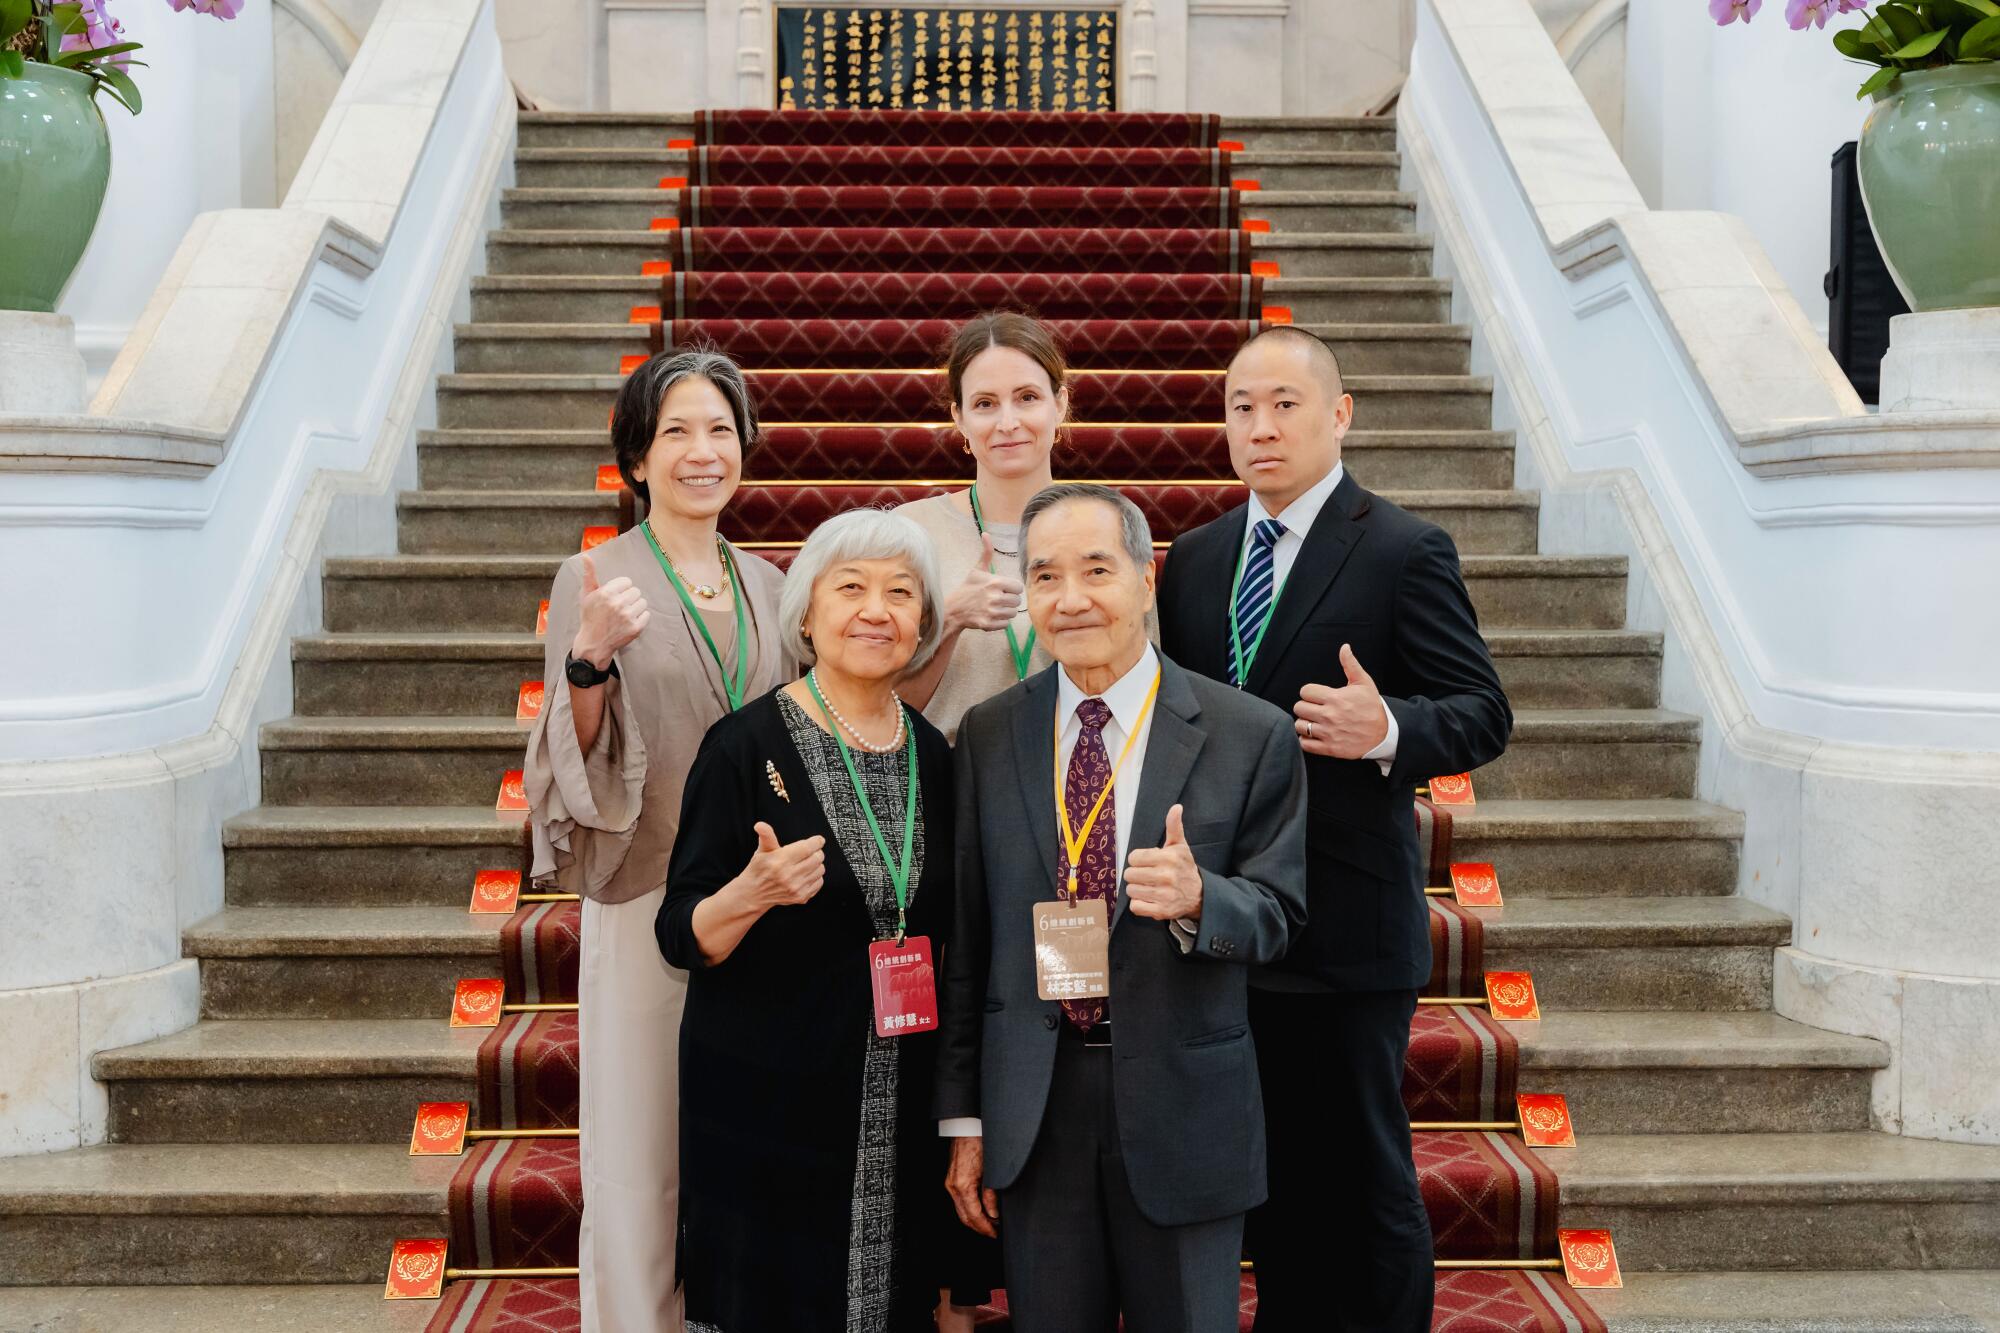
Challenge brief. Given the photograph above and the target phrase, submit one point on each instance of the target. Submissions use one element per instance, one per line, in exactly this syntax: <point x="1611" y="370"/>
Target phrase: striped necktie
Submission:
<point x="1254" y="594"/>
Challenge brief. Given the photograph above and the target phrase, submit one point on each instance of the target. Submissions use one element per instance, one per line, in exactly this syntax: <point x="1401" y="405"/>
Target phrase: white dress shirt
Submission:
<point x="1298" y="518"/>
<point x="1126" y="697"/>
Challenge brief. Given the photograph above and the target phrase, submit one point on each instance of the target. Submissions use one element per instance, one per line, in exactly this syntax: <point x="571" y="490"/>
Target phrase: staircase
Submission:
<point x="258" y="1170"/>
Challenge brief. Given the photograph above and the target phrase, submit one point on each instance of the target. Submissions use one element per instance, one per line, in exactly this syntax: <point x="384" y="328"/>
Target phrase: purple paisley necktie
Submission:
<point x="1097" y="874"/>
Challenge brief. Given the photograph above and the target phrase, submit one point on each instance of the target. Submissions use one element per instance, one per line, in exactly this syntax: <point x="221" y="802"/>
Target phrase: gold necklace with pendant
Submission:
<point x="705" y="591"/>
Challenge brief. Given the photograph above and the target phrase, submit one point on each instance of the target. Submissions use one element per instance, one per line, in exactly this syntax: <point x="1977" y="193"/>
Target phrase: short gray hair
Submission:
<point x="1133" y="529"/>
<point x="861" y="534"/>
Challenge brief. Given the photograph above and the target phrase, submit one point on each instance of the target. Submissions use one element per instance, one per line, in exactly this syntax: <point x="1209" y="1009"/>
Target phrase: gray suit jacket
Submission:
<point x="1190" y="1112"/>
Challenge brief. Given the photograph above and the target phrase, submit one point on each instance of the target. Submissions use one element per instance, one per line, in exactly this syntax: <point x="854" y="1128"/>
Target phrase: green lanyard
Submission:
<point x="731" y="685"/>
<point x="1021" y="652"/>
<point x="1243" y="659"/>
<point x="899" y="875"/>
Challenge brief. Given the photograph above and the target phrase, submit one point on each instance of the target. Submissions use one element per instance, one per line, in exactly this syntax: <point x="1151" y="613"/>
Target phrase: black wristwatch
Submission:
<point x="583" y="675"/>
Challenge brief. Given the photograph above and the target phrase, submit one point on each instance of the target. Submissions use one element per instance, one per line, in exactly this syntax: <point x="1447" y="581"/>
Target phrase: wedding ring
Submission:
<point x="1309" y="731"/>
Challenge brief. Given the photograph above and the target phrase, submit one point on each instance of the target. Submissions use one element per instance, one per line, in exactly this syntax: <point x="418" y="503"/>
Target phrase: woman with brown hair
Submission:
<point x="1009" y="397"/>
<point x="653" y="636"/>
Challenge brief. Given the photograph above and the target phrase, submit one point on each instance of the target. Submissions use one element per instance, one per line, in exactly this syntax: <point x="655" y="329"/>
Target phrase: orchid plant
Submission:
<point x="82" y="35"/>
<point x="1913" y="34"/>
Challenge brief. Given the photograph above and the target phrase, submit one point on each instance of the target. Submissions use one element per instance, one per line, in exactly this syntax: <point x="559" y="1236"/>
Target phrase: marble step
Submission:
<point x="359" y="1080"/>
<point x="233" y="1213"/>
<point x="344" y="963"/>
<point x="1786" y="1202"/>
<point x="583" y="402"/>
<point x="354" y="1308"/>
<point x="612" y="204"/>
<point x="1481" y="522"/>
<point x="480" y="674"/>
<point x="500" y="592"/>
<point x="626" y="129"/>
<point x="1646" y="954"/>
<point x="595" y="349"/>
<point x="641" y="167"/>
<point x="1595" y="847"/>
<point x="1909" y="1301"/>
<point x="1401" y="293"/>
<point x="333" y="1080"/>
<point x="1399" y="460"/>
<point x="364" y="856"/>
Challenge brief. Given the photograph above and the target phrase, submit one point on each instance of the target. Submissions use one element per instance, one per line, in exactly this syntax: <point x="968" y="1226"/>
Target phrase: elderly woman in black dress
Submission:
<point x="815" y="853"/>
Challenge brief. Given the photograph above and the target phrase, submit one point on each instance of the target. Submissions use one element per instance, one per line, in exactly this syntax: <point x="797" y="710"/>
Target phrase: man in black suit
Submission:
<point x="1350" y="612"/>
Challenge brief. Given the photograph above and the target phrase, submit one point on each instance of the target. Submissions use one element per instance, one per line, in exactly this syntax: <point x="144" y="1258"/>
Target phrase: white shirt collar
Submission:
<point x="1126" y="696"/>
<point x="1300" y="513"/>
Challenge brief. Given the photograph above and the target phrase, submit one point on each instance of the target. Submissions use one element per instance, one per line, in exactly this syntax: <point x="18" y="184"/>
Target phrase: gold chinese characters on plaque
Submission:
<point x="952" y="57"/>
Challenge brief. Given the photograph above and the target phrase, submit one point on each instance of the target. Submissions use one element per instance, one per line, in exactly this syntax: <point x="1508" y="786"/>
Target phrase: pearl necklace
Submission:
<point x="895" y="741"/>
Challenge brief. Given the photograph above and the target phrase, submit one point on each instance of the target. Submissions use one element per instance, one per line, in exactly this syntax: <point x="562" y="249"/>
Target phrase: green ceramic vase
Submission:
<point x="55" y="159"/>
<point x="1930" y="175"/>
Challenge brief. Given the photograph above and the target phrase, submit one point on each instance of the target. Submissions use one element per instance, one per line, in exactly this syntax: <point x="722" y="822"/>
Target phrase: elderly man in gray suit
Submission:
<point x="1131" y="841"/>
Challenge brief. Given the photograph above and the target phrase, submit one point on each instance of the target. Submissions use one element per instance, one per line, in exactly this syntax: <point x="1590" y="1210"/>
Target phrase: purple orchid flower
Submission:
<point x="99" y="29"/>
<point x="1725" y="12"/>
<point x="1800" y="13"/>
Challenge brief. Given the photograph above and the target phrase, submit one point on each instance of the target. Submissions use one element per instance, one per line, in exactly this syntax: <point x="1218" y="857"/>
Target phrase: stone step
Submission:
<point x="336" y="1080"/>
<point x="596" y="349"/>
<point x="1304" y="258"/>
<point x="1621" y="753"/>
<point x="355" y="1308"/>
<point x="553" y="129"/>
<point x="1592" y="847"/>
<point x="481" y="674"/>
<point x="509" y="460"/>
<point x="583" y="402"/>
<point x="1643" y="954"/>
<point x="346" y="963"/>
<point x="364" y="856"/>
<point x="624" y="197"/>
<point x="476" y="593"/>
<point x="215" y="1213"/>
<point x="1355" y="284"/>
<point x="1755" y="1202"/>
<point x="642" y="166"/>
<point x="1698" y="1072"/>
<point x="1839" y="1302"/>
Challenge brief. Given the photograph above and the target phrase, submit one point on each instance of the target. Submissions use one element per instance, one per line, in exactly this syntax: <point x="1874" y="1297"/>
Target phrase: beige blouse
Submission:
<point x="981" y="665"/>
<point x="604" y="822"/>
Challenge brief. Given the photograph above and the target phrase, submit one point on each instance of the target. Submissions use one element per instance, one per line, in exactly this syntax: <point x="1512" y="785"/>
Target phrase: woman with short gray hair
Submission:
<point x="812" y="875"/>
<point x="652" y="636"/>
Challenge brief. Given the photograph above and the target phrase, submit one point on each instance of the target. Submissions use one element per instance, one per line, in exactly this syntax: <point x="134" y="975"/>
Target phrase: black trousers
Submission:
<point x="1343" y="1244"/>
<point x="1078" y="1251"/>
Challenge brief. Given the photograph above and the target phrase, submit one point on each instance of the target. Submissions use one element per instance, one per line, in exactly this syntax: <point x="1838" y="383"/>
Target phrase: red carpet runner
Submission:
<point x="838" y="300"/>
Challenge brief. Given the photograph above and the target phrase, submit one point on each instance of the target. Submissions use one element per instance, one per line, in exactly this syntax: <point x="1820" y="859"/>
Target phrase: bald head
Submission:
<point x="1324" y="364"/>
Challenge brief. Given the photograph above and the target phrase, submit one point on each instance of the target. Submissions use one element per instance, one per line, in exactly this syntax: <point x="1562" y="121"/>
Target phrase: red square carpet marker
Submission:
<point x="440" y="1129"/>
<point x="609" y="478"/>
<point x="628" y="364"/>
<point x="1277" y="314"/>
<point x="495" y="892"/>
<point x="1246" y="185"/>
<point x="1511" y="996"/>
<point x="643" y="314"/>
<point x="596" y="535"/>
<point x="1452" y="789"/>
<point x="476" y="1002"/>
<point x="542" y="619"/>
<point x="528" y="703"/>
<point x="679" y="143"/>
<point x="1545" y="1121"/>
<point x="416" y="1271"/>
<point x="666" y="224"/>
<point x="1475" y="884"/>
<point x="1230" y="146"/>
<point x="656" y="268"/>
<point x="1264" y="268"/>
<point x="513" y="791"/>
<point x="1589" y="1260"/>
<point x="673" y="182"/>
<point x="1256" y="225"/>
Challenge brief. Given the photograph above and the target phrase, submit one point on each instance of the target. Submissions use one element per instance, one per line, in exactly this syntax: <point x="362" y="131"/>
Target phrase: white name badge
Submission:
<point x="1072" y="950"/>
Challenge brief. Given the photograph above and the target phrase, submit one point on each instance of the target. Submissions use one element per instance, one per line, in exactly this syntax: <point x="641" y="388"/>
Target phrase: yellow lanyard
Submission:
<point x="1073" y="842"/>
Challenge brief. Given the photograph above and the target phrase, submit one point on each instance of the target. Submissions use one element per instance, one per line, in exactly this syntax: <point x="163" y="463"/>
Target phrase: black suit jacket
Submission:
<point x="1378" y="577"/>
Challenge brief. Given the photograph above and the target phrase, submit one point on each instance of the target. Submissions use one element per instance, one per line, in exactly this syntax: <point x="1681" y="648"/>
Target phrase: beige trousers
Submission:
<point x="629" y="1028"/>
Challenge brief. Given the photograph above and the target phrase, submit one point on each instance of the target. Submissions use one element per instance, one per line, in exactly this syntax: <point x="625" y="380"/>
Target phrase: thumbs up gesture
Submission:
<point x="1164" y="882"/>
<point x="780" y="875"/>
<point x="611" y="616"/>
<point x="983" y="601"/>
<point x="1343" y="723"/>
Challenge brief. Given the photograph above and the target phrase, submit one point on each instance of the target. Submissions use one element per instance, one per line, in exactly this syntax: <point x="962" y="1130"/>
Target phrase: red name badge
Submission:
<point x="905" y="986"/>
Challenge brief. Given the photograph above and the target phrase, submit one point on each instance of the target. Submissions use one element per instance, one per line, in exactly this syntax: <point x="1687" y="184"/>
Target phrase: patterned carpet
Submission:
<point x="838" y="300"/>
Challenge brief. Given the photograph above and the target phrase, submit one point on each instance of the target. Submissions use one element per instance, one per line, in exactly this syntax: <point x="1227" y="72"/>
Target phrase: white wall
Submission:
<point x="204" y="141"/>
<point x="1743" y="120"/>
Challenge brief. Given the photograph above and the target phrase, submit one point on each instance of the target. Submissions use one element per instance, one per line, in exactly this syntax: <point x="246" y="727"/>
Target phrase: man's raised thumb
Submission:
<point x="1352" y="666"/>
<point x="767" y="841"/>
<point x="1176" y="835"/>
